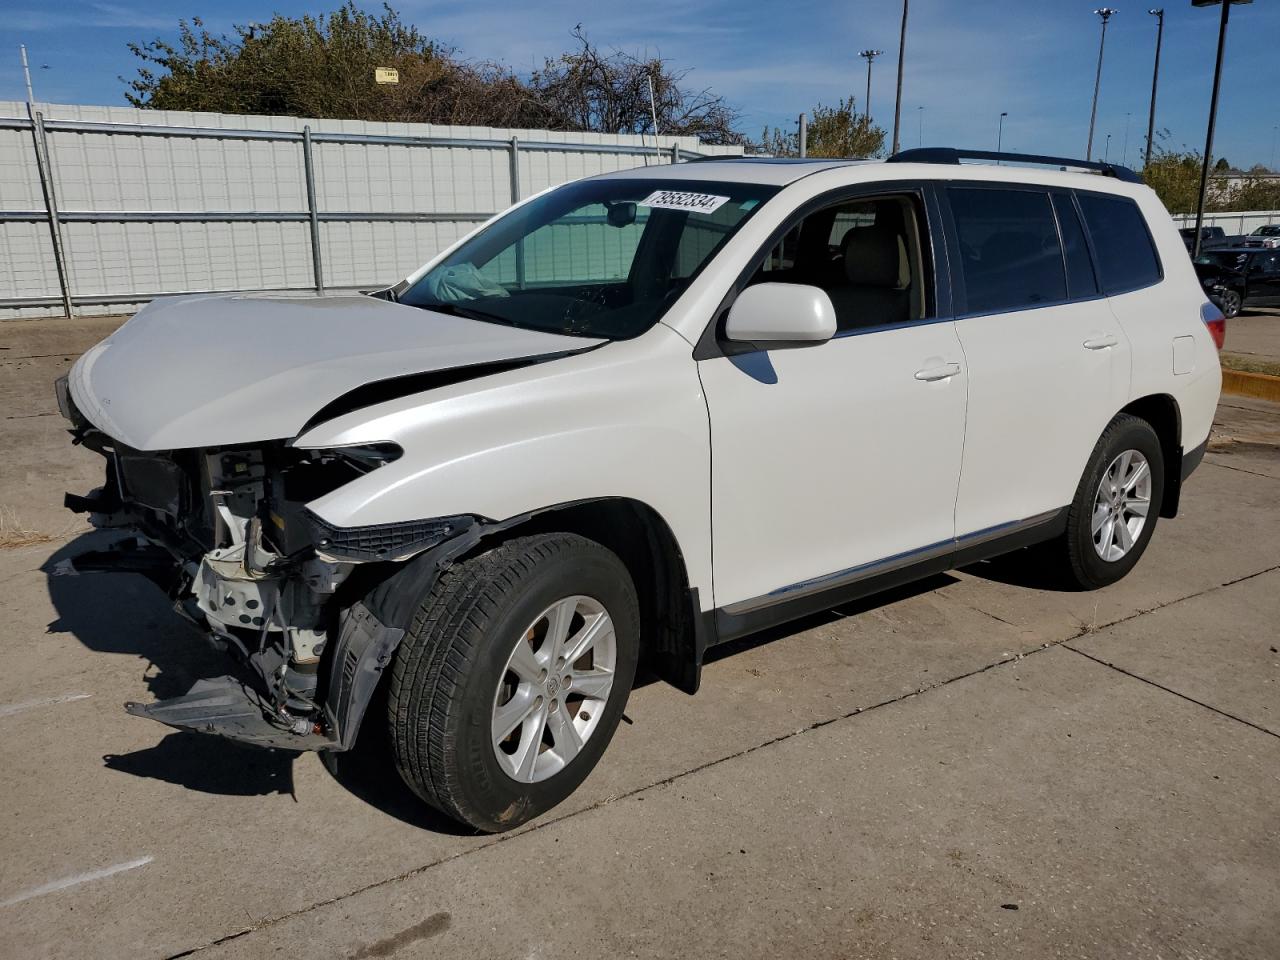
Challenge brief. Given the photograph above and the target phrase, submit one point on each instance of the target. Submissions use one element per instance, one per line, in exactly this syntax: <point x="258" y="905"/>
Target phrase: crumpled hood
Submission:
<point x="222" y="370"/>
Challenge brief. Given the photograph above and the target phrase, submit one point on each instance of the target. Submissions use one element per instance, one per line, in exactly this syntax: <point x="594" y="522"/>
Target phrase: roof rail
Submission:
<point x="953" y="155"/>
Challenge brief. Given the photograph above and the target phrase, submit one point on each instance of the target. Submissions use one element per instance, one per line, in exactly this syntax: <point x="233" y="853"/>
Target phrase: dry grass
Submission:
<point x="14" y="534"/>
<point x="1245" y="364"/>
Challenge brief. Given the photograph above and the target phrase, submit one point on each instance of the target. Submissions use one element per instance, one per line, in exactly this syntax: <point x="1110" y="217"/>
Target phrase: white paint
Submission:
<point x="55" y="885"/>
<point x="9" y="709"/>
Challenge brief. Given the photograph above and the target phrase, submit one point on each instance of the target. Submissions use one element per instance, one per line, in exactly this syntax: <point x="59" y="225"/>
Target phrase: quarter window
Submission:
<point x="1126" y="258"/>
<point x="1009" y="251"/>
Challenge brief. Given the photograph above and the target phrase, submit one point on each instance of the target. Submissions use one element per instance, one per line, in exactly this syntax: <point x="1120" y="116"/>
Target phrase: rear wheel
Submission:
<point x="512" y="678"/>
<point x="1114" y="512"/>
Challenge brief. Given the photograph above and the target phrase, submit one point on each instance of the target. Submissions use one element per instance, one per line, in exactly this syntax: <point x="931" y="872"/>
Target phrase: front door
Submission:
<point x="831" y="458"/>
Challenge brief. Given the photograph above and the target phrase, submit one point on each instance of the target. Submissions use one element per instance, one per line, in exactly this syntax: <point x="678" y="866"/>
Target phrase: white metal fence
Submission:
<point x="1232" y="223"/>
<point x="104" y="208"/>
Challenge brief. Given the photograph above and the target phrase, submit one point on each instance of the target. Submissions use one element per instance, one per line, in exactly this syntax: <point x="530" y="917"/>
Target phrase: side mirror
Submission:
<point x="777" y="315"/>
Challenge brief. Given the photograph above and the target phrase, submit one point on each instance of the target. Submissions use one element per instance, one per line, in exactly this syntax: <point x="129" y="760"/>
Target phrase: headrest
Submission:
<point x="872" y="256"/>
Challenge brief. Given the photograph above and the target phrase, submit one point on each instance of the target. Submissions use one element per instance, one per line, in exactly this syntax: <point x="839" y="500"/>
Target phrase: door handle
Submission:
<point x="943" y="372"/>
<point x="1101" y="343"/>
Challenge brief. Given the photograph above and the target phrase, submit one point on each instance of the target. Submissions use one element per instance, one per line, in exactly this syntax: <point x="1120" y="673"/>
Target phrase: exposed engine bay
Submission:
<point x="226" y="533"/>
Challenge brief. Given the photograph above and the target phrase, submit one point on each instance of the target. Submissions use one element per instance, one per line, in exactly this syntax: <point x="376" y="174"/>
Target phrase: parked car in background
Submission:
<point x="1267" y="236"/>
<point x="1239" y="277"/>
<point x="1209" y="236"/>
<point x="631" y="418"/>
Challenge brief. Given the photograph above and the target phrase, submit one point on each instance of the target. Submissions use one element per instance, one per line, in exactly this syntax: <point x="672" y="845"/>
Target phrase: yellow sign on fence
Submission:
<point x="386" y="75"/>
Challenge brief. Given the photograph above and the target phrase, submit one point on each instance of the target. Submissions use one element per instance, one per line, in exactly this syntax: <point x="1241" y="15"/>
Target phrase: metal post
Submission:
<point x="515" y="198"/>
<point x="804" y="136"/>
<point x="1105" y="13"/>
<point x="1155" y="80"/>
<point x="515" y="169"/>
<point x="1213" y="119"/>
<point x="897" y="103"/>
<point x="1000" y="132"/>
<point x="308" y="166"/>
<point x="26" y="73"/>
<point x="41" y="145"/>
<point x="675" y="153"/>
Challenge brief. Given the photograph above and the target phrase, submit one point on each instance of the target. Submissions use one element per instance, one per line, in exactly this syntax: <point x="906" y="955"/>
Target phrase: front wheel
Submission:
<point x="1116" y="504"/>
<point x="1230" y="303"/>
<point x="512" y="678"/>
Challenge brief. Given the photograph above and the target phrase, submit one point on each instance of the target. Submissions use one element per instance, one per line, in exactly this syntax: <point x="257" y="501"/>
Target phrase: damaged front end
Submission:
<point x="306" y="610"/>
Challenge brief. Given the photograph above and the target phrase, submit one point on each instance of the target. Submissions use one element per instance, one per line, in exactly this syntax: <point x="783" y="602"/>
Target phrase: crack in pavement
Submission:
<point x="1227" y="466"/>
<point x="1177" y="693"/>
<point x="746" y="751"/>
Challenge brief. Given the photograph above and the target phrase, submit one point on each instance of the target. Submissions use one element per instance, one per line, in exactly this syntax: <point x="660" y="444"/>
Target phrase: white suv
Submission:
<point x="632" y="417"/>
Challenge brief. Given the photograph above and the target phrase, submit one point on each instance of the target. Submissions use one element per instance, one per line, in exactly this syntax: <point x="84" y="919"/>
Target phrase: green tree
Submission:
<point x="1221" y="166"/>
<point x="838" y="131"/>
<point x="323" y="66"/>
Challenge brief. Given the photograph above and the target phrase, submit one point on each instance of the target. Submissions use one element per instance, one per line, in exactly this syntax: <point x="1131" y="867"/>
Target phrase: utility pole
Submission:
<point x="1000" y="131"/>
<point x="1105" y="13"/>
<point x="1155" y="80"/>
<point x="897" y="103"/>
<point x="869" y="56"/>
<point x="920" y="134"/>
<point x="1213" y="110"/>
<point x="26" y="73"/>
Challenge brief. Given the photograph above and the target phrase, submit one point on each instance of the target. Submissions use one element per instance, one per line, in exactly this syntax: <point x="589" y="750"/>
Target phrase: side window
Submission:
<point x="1075" y="251"/>
<point x="867" y="254"/>
<point x="1126" y="257"/>
<point x="1009" y="251"/>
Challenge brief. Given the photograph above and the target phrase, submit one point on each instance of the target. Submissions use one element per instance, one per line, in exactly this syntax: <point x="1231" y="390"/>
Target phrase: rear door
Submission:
<point x="1048" y="362"/>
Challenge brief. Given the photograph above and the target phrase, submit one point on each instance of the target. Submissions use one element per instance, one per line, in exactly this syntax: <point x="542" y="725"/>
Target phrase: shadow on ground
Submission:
<point x="125" y="614"/>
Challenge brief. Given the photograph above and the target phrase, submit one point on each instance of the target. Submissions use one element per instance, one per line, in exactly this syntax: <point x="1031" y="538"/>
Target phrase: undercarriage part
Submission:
<point x="230" y="708"/>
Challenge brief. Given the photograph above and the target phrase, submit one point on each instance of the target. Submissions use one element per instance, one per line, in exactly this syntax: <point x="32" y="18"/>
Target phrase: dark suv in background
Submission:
<point x="1209" y="237"/>
<point x="1238" y="277"/>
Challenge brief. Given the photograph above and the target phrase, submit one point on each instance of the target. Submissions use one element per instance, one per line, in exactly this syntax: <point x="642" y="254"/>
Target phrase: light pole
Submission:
<point x="1273" y="146"/>
<point x="869" y="56"/>
<point x="920" y="135"/>
<point x="1124" y="152"/>
<point x="1105" y="13"/>
<point x="1106" y="153"/>
<point x="897" y="102"/>
<point x="1213" y="110"/>
<point x="26" y="73"/>
<point x="1155" y="80"/>
<point x="1000" y="131"/>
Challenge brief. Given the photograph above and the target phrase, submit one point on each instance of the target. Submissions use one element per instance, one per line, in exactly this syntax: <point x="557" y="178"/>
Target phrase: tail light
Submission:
<point x="1216" y="322"/>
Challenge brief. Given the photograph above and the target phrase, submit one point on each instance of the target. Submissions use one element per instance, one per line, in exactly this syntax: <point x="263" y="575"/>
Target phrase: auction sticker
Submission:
<point x="679" y="200"/>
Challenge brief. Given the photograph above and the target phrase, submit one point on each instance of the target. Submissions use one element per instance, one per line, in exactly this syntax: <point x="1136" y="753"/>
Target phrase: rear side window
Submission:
<point x="1126" y="257"/>
<point x="1009" y="251"/>
<point x="1075" y="250"/>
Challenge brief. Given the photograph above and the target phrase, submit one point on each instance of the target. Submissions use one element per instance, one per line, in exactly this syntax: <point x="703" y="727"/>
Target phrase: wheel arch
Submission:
<point x="1165" y="416"/>
<point x="672" y="632"/>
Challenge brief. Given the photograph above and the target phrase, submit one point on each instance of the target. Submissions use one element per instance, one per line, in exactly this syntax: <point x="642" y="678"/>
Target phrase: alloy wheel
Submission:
<point x="554" y="689"/>
<point x="1121" y="505"/>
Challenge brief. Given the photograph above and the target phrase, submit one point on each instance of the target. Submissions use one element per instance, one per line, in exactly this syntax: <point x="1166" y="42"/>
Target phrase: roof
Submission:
<point x="772" y="171"/>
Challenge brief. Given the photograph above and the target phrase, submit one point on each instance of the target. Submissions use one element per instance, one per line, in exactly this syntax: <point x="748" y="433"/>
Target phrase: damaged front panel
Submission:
<point x="227" y="534"/>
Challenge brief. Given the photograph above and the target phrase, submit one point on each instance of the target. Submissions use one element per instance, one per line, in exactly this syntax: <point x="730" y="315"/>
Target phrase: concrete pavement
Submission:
<point x="970" y="767"/>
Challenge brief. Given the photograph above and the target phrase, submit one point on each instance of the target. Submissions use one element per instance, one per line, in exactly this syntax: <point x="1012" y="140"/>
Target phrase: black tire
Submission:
<point x="1074" y="553"/>
<point x="1231" y="304"/>
<point x="454" y="655"/>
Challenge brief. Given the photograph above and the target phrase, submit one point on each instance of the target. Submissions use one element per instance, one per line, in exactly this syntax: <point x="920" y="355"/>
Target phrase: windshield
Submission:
<point x="1271" y="230"/>
<point x="596" y="258"/>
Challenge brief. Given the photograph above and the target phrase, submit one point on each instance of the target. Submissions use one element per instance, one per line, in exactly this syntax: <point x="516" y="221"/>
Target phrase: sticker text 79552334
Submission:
<point x="681" y="200"/>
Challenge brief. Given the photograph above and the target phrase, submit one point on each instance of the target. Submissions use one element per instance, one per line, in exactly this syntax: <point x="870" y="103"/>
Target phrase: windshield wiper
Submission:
<point x="471" y="313"/>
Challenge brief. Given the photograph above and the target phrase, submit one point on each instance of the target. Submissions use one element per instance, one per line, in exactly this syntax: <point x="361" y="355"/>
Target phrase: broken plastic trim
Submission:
<point x="382" y="541"/>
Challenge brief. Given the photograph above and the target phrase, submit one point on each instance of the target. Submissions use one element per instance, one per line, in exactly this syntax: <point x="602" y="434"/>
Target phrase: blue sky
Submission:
<point x="966" y="61"/>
